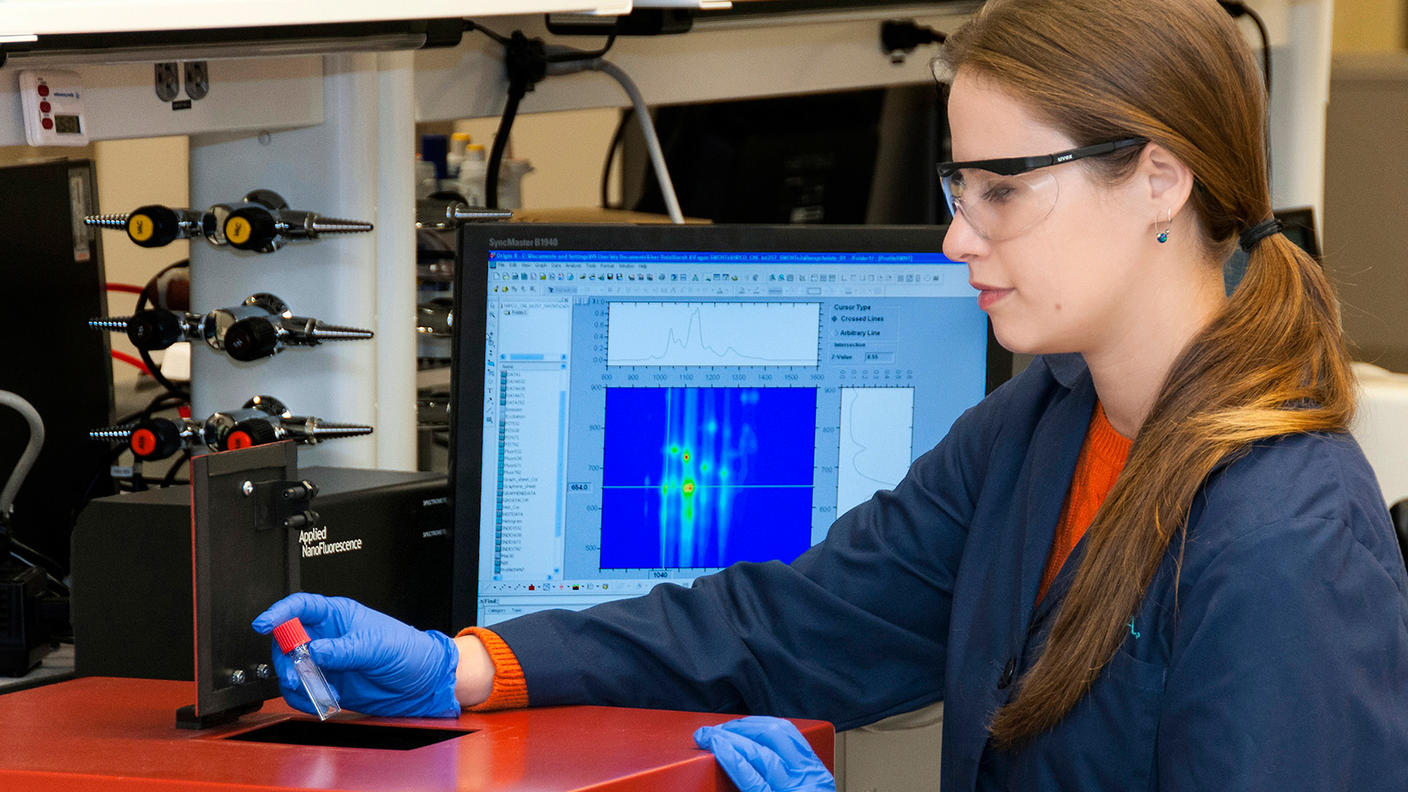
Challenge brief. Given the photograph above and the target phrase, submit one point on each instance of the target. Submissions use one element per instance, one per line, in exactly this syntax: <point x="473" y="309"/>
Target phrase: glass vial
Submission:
<point x="293" y="642"/>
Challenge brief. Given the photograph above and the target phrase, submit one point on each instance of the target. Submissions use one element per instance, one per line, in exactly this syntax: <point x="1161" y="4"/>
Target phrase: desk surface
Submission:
<point x="119" y="734"/>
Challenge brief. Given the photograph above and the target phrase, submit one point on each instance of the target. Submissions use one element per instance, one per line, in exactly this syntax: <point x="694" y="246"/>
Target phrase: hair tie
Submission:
<point x="1258" y="232"/>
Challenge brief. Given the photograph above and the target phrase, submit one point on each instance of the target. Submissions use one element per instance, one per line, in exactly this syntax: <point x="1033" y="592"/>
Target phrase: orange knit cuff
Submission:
<point x="510" y="689"/>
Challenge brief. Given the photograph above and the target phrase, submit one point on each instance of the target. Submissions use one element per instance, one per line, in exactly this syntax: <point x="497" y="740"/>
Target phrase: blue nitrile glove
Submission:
<point x="375" y="663"/>
<point x="764" y="754"/>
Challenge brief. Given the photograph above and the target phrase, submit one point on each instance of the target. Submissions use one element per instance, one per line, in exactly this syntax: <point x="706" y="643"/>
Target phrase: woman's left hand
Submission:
<point x="765" y="754"/>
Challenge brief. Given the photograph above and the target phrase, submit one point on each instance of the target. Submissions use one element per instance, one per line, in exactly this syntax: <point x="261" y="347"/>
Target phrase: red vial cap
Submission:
<point x="290" y="635"/>
<point x="43" y="89"/>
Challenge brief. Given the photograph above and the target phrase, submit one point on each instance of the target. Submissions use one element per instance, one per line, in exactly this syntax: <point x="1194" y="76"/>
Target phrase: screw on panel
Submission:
<point x="118" y="323"/>
<point x="263" y="671"/>
<point x="122" y="432"/>
<point x="237" y="677"/>
<point x="118" y="221"/>
<point x="247" y="488"/>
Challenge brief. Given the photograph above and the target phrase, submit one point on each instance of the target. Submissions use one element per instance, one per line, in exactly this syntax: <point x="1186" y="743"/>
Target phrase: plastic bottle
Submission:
<point x="454" y="156"/>
<point x="426" y="183"/>
<point x="473" y="170"/>
<point x="511" y="182"/>
<point x="293" y="641"/>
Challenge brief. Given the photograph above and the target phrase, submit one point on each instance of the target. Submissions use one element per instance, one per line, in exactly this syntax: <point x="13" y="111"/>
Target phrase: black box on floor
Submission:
<point x="384" y="539"/>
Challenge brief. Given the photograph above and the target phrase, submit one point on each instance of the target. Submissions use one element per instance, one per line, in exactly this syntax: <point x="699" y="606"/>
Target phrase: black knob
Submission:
<point x="153" y="226"/>
<point x="251" y="339"/>
<point x="250" y="228"/>
<point x="249" y="433"/>
<point x="155" y="329"/>
<point x="157" y="438"/>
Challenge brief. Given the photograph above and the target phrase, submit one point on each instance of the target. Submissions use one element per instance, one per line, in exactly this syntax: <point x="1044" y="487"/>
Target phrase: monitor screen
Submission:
<point x="640" y="404"/>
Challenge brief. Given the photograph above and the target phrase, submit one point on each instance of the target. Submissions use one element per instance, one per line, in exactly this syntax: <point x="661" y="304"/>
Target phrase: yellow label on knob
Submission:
<point x="237" y="230"/>
<point x="140" y="227"/>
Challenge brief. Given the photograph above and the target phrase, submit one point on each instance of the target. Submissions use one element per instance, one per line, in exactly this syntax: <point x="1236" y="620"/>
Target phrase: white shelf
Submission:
<point x="55" y="17"/>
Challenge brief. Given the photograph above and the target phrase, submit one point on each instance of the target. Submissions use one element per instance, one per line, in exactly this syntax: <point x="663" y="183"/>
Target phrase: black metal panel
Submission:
<point x="243" y="561"/>
<point x="52" y="282"/>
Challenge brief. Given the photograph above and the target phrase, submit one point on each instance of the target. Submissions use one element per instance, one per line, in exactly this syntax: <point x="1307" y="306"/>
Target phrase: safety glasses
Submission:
<point x="1003" y="198"/>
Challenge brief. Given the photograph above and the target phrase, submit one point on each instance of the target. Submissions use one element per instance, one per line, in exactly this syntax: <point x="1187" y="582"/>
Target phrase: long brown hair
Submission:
<point x="1272" y="362"/>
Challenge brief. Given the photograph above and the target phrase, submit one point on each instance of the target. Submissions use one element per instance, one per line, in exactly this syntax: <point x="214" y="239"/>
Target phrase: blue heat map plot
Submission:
<point x="704" y="477"/>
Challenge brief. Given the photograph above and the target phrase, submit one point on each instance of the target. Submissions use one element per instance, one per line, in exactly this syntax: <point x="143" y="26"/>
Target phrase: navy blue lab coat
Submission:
<point x="1278" y="661"/>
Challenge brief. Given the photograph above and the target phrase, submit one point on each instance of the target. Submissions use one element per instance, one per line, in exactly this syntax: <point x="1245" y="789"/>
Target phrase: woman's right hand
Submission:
<point x="376" y="664"/>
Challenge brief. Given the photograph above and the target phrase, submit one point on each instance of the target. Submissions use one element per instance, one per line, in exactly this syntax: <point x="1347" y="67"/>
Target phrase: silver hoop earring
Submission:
<point x="1162" y="236"/>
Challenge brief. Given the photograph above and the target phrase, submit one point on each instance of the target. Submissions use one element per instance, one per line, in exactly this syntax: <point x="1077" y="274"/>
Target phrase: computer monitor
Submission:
<point x="650" y="403"/>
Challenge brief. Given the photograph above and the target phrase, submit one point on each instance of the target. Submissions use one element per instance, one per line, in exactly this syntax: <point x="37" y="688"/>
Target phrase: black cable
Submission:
<point x="139" y="482"/>
<point x="1237" y="10"/>
<point x="515" y="95"/>
<point x="146" y="356"/>
<point x="162" y="401"/>
<point x="516" y="90"/>
<point x="581" y="55"/>
<point x="170" y="477"/>
<point x="616" y="138"/>
<point x="53" y="579"/>
<point x="526" y="62"/>
<point x="105" y="464"/>
<point x="36" y="558"/>
<point x="470" y="24"/>
<point x="154" y="406"/>
<point x="899" y="37"/>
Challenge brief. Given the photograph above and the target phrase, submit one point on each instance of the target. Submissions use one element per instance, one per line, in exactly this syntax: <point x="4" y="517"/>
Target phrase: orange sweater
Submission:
<point x="1102" y="457"/>
<point x="1101" y="460"/>
<point x="509" y="691"/>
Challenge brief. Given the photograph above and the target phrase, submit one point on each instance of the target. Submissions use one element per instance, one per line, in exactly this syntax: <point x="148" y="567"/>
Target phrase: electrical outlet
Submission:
<point x="168" y="81"/>
<point x="197" y="79"/>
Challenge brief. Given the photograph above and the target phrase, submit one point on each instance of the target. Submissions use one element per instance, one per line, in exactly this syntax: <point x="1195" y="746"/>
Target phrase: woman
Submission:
<point x="1153" y="559"/>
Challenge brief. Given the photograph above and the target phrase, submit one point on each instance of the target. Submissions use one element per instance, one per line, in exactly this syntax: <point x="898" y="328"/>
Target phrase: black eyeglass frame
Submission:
<point x="1011" y="166"/>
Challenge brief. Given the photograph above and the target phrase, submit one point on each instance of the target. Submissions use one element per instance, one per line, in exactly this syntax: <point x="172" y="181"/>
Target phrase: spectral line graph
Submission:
<point x="876" y="442"/>
<point x="704" y="477"/>
<point x="712" y="334"/>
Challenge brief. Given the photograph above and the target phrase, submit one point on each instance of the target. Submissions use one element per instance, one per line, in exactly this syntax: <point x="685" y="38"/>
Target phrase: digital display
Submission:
<point x="67" y="125"/>
<point x="643" y="405"/>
